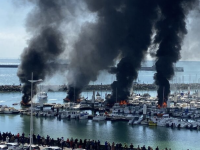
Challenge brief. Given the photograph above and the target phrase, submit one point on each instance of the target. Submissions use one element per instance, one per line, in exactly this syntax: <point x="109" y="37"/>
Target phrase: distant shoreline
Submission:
<point x="17" y="88"/>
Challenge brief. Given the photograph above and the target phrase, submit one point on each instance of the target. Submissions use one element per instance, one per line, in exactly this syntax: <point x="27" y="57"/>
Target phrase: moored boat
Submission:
<point x="99" y="117"/>
<point x="151" y="123"/>
<point x="42" y="96"/>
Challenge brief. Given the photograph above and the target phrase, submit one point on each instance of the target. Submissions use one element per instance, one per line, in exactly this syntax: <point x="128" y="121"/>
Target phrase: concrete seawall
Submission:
<point x="17" y="88"/>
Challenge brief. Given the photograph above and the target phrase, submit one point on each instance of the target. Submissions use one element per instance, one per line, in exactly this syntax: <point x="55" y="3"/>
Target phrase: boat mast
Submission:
<point x="116" y="95"/>
<point x="101" y="90"/>
<point x="163" y="94"/>
<point x="74" y="92"/>
<point x="40" y="90"/>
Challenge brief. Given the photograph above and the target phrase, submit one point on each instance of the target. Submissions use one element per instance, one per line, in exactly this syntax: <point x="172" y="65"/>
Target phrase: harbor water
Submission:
<point x="176" y="139"/>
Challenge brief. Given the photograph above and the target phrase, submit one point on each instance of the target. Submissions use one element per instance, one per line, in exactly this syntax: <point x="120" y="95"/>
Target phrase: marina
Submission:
<point x="145" y="133"/>
<point x="120" y="130"/>
<point x="180" y="108"/>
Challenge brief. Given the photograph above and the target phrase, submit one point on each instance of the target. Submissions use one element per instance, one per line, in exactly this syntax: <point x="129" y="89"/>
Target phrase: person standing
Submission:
<point x="131" y="146"/>
<point x="38" y="139"/>
<point x="62" y="142"/>
<point x="113" y="146"/>
<point x="7" y="139"/>
<point x="18" y="138"/>
<point x="157" y="148"/>
<point x="48" y="139"/>
<point x="1" y="137"/>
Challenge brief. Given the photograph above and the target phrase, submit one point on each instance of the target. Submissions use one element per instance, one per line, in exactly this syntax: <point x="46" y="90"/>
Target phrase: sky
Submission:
<point x="13" y="35"/>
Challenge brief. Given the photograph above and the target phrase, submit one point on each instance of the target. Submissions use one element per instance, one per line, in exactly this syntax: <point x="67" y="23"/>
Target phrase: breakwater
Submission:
<point x="17" y="88"/>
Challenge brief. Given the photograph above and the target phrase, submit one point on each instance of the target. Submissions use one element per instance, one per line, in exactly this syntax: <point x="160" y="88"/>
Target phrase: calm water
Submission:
<point x="105" y="130"/>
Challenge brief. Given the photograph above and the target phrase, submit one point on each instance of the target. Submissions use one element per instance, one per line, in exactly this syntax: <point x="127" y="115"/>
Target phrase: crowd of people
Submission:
<point x="69" y="142"/>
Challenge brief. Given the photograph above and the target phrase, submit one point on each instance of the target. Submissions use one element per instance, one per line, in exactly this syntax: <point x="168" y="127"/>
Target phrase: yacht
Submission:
<point x="42" y="96"/>
<point x="83" y="115"/>
<point x="74" y="114"/>
<point x="99" y="117"/>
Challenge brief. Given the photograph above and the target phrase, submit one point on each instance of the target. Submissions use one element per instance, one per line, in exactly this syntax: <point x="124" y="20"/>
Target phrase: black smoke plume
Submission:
<point x="123" y="27"/>
<point x="139" y="18"/>
<point x="47" y="43"/>
<point x="170" y="31"/>
<point x="97" y="46"/>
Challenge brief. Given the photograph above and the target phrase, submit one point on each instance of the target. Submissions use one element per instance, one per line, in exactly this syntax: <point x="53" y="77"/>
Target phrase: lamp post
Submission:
<point x="31" y="121"/>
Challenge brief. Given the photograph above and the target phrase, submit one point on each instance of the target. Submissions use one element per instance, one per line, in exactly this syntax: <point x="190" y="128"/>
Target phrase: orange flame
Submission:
<point x="164" y="105"/>
<point x="123" y="102"/>
<point x="66" y="99"/>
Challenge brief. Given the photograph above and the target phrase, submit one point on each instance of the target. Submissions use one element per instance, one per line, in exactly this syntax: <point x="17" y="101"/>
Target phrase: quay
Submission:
<point x="40" y="142"/>
<point x="17" y="88"/>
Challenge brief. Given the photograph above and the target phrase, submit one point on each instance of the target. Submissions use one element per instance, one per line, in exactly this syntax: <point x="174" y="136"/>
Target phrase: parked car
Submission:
<point x="12" y="146"/>
<point x="52" y="148"/>
<point x="33" y="147"/>
<point x="3" y="146"/>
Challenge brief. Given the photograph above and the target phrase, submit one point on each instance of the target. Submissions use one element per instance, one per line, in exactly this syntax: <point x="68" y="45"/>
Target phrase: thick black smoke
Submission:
<point x="123" y="27"/>
<point x="139" y="18"/>
<point x="97" y="46"/>
<point x="170" y="31"/>
<point x="46" y="44"/>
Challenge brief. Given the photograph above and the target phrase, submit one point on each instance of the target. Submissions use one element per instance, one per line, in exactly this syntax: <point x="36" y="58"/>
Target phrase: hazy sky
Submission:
<point x="13" y="35"/>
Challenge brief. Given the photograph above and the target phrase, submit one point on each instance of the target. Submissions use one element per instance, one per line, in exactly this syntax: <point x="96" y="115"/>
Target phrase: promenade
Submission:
<point x="69" y="143"/>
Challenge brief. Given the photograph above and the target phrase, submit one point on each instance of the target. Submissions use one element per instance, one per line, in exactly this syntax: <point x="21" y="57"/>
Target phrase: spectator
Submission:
<point x="12" y="139"/>
<point x="7" y="139"/>
<point x="113" y="146"/>
<point x="144" y="148"/>
<point x="68" y="142"/>
<point x="1" y="137"/>
<point x="62" y="142"/>
<point x="157" y="148"/>
<point x="38" y="139"/>
<point x="52" y="142"/>
<point x="131" y="146"/>
<point x="43" y="141"/>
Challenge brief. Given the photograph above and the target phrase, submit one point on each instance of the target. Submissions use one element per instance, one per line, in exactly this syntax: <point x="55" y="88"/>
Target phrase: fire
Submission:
<point x="123" y="102"/>
<point x="25" y="104"/>
<point x="164" y="105"/>
<point x="67" y="99"/>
